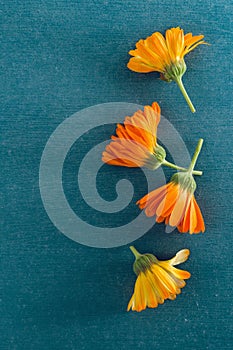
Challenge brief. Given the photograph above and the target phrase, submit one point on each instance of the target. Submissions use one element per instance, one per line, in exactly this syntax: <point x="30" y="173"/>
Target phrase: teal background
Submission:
<point x="58" y="57"/>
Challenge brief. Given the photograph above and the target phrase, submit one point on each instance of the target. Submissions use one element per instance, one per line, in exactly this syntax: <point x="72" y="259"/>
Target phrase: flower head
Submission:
<point x="165" y="55"/>
<point x="175" y="203"/>
<point x="157" y="280"/>
<point x="136" y="144"/>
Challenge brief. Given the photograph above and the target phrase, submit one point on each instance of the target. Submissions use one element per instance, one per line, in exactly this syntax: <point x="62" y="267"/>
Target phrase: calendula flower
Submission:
<point x="165" y="55"/>
<point x="175" y="203"/>
<point x="136" y="144"/>
<point x="156" y="280"/>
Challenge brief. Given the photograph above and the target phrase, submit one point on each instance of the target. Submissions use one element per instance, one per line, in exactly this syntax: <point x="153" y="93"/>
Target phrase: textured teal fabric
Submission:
<point x="58" y="57"/>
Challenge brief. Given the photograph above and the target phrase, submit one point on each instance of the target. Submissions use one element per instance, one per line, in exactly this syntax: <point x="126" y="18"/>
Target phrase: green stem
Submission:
<point x="195" y="156"/>
<point x="135" y="252"/>
<point x="179" y="82"/>
<point x="173" y="166"/>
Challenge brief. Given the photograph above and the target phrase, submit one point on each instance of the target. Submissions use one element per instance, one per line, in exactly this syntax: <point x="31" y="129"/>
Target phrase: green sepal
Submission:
<point x="175" y="71"/>
<point x="185" y="180"/>
<point x="144" y="262"/>
<point x="155" y="160"/>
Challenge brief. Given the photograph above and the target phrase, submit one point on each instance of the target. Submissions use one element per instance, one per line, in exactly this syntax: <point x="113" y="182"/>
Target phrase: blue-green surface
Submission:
<point x="58" y="57"/>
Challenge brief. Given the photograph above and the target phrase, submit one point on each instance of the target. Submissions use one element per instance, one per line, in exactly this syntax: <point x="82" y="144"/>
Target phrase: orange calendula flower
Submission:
<point x="175" y="203"/>
<point x="136" y="144"/>
<point x="157" y="280"/>
<point x="165" y="55"/>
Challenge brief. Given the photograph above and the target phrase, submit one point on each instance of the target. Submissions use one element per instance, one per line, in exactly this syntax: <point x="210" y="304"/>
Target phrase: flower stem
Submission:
<point x="195" y="156"/>
<point x="173" y="166"/>
<point x="184" y="92"/>
<point x="135" y="252"/>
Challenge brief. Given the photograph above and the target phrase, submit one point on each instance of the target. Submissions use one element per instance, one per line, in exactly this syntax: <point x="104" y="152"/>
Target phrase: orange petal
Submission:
<point x="137" y="65"/>
<point x="161" y="48"/>
<point x="160" y="219"/>
<point x="149" y="292"/>
<point x="138" y="303"/>
<point x="180" y="274"/>
<point x="166" y="205"/>
<point x="158" y="290"/>
<point x="152" y="205"/>
<point x="179" y="209"/>
<point x="185" y="222"/>
<point x="130" y="303"/>
<point x="175" y="43"/>
<point x="193" y="217"/>
<point x="189" y="39"/>
<point x="151" y="196"/>
<point x="200" y="220"/>
<point x="164" y="278"/>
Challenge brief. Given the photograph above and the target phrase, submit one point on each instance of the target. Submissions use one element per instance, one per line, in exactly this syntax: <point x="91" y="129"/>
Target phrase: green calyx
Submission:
<point x="185" y="180"/>
<point x="175" y="71"/>
<point x="155" y="160"/>
<point x="142" y="262"/>
<point x="160" y="153"/>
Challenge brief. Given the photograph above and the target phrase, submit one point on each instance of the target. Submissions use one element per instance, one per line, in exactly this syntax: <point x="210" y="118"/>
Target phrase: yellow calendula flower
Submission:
<point x="157" y="280"/>
<point x="135" y="144"/>
<point x="165" y="54"/>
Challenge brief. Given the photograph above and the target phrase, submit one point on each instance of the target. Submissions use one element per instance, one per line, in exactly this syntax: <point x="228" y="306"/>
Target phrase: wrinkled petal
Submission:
<point x="180" y="257"/>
